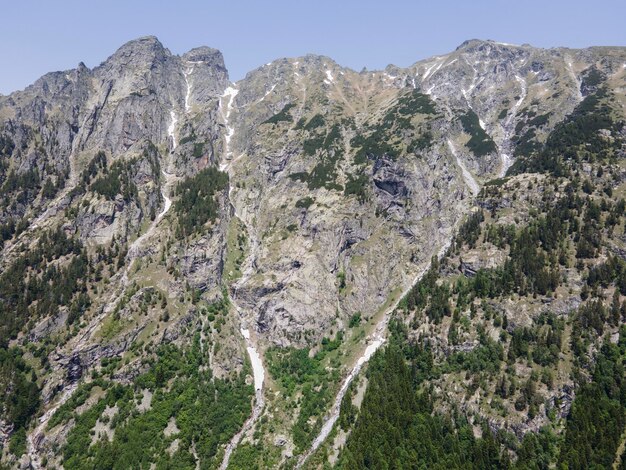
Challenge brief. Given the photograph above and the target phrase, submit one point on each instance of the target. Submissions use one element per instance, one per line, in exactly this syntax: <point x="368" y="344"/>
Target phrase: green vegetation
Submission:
<point x="35" y="285"/>
<point x="576" y="139"/>
<point x="96" y="165"/>
<point x="406" y="432"/>
<point x="19" y="393"/>
<point x="358" y="185"/>
<point x="6" y="146"/>
<point x="283" y="115"/>
<point x="254" y="457"/>
<point x="118" y="179"/>
<point x="20" y="188"/>
<point x="379" y="139"/>
<point x="328" y="147"/>
<point x="315" y="122"/>
<point x="570" y="230"/>
<point x="415" y="103"/>
<point x="480" y="143"/>
<point x="305" y="202"/>
<point x="65" y="412"/>
<point x="592" y="78"/>
<point x="196" y="204"/>
<point x="198" y="149"/>
<point x="299" y="373"/>
<point x="236" y="248"/>
<point x="598" y="416"/>
<point x="207" y="412"/>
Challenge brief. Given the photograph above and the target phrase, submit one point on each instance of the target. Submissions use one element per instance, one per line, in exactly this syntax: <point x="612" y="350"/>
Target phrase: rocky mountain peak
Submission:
<point x="205" y="54"/>
<point x="483" y="44"/>
<point x="145" y="44"/>
<point x="141" y="52"/>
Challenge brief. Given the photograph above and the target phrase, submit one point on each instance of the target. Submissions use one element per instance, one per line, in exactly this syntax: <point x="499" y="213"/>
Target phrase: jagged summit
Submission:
<point x="205" y="54"/>
<point x="306" y="62"/>
<point x="144" y="44"/>
<point x="143" y="51"/>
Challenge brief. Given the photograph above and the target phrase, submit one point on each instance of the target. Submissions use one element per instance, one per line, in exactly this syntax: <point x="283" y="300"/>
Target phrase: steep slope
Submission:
<point x="517" y="333"/>
<point x="192" y="267"/>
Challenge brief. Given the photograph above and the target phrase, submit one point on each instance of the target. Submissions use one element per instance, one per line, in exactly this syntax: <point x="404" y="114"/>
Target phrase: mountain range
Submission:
<point x="316" y="267"/>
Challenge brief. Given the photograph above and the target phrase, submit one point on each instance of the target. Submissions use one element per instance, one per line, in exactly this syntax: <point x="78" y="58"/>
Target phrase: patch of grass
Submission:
<point x="235" y="250"/>
<point x="282" y="116"/>
<point x="305" y="202"/>
<point x="315" y="122"/>
<point x="357" y="186"/>
<point x="480" y="143"/>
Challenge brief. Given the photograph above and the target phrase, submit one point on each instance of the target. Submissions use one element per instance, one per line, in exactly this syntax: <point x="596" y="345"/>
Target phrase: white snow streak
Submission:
<point x="229" y="95"/>
<point x="505" y="148"/>
<point x="467" y="93"/>
<point x="170" y="178"/>
<point x="226" y="106"/>
<point x="186" y="74"/>
<point x="268" y="92"/>
<point x="467" y="176"/>
<point x="429" y="70"/>
<point x="171" y="130"/>
<point x="257" y="364"/>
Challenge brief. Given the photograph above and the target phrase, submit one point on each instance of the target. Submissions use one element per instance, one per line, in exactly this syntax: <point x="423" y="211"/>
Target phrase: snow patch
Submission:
<point x="171" y="130"/>
<point x="370" y="350"/>
<point x="329" y="77"/>
<point x="258" y="370"/>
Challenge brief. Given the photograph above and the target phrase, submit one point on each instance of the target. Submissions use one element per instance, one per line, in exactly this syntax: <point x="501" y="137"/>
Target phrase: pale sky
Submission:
<point x="46" y="35"/>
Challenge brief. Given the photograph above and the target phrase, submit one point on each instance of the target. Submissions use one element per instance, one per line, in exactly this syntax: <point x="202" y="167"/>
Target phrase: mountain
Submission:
<point x="195" y="271"/>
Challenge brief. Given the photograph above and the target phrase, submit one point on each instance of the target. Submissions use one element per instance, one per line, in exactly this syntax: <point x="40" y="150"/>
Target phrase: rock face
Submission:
<point x="342" y="185"/>
<point x="291" y="132"/>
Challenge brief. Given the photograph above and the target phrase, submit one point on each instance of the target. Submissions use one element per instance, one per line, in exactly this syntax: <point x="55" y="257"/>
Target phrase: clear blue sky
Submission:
<point x="41" y="36"/>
